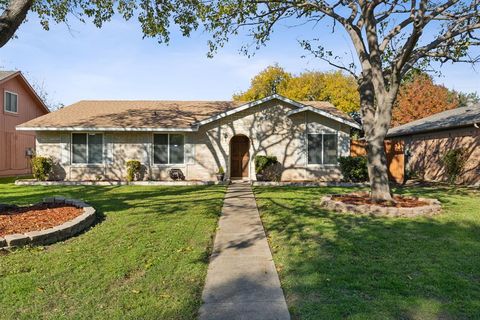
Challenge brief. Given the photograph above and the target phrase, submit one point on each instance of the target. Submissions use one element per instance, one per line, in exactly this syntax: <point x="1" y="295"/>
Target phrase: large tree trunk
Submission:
<point x="11" y="18"/>
<point x="377" y="169"/>
<point x="375" y="124"/>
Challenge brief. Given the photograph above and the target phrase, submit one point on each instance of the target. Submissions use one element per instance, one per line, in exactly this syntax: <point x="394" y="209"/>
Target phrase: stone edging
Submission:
<point x="309" y="184"/>
<point x="33" y="182"/>
<point x="433" y="207"/>
<point x="57" y="233"/>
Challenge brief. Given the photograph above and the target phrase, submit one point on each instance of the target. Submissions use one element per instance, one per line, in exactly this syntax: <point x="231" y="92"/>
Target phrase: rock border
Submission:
<point x="433" y="207"/>
<point x="54" y="234"/>
<point x="33" y="182"/>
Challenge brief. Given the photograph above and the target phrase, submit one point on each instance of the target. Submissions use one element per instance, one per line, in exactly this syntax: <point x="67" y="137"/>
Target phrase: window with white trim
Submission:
<point x="322" y="148"/>
<point x="11" y="102"/>
<point x="168" y="148"/>
<point x="87" y="148"/>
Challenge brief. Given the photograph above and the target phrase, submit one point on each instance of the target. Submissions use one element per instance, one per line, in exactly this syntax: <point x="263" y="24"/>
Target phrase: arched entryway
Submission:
<point x="239" y="157"/>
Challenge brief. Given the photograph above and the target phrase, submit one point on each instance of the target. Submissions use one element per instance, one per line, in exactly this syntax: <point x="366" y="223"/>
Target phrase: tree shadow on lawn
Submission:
<point x="118" y="198"/>
<point x="335" y="265"/>
<point x="161" y="234"/>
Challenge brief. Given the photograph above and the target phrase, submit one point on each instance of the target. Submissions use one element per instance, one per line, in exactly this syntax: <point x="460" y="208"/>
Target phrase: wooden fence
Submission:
<point x="394" y="150"/>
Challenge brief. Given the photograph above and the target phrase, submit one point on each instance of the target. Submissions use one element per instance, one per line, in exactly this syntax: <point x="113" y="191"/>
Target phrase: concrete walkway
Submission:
<point x="242" y="282"/>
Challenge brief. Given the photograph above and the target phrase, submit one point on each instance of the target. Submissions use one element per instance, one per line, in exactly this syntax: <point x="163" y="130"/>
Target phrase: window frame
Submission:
<point x="168" y="164"/>
<point x="323" y="164"/>
<point x="5" y="101"/>
<point x="86" y="164"/>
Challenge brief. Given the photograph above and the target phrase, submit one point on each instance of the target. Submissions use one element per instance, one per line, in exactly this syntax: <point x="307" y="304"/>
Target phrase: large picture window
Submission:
<point x="11" y="102"/>
<point x="322" y="148"/>
<point x="87" y="148"/>
<point x="168" y="149"/>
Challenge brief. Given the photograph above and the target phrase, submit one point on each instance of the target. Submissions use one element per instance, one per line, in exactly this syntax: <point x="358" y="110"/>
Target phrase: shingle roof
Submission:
<point x="6" y="74"/>
<point x="458" y="117"/>
<point x="127" y="114"/>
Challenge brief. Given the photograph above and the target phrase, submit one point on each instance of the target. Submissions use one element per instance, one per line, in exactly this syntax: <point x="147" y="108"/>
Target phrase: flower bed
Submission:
<point x="52" y="220"/>
<point x="401" y="206"/>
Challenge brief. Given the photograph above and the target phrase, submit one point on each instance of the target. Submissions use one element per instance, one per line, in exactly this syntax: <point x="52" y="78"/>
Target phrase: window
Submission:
<point x="11" y="102"/>
<point x="322" y="148"/>
<point x="87" y="148"/>
<point x="168" y="149"/>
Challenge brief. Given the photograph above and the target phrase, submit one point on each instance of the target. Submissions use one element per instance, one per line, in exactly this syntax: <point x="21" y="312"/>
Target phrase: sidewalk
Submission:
<point x="242" y="282"/>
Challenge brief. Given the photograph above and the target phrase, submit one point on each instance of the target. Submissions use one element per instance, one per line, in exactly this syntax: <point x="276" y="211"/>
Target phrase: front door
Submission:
<point x="239" y="156"/>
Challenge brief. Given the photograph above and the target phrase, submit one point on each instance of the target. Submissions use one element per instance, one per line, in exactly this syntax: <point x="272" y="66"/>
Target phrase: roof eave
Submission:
<point x="325" y="114"/>
<point x="103" y="129"/>
<point x="410" y="133"/>
<point x="301" y="107"/>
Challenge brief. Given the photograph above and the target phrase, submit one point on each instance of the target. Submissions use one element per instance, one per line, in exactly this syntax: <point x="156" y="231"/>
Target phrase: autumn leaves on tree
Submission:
<point x="335" y="87"/>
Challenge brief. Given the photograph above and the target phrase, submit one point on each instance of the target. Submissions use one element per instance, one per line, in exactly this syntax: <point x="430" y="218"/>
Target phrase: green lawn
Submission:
<point x="146" y="258"/>
<point x="337" y="266"/>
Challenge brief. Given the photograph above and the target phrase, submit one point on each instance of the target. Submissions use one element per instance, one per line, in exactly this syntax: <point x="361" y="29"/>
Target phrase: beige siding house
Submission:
<point x="92" y="140"/>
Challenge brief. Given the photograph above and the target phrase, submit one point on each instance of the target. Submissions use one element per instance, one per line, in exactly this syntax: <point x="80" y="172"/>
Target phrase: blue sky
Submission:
<point x="83" y="62"/>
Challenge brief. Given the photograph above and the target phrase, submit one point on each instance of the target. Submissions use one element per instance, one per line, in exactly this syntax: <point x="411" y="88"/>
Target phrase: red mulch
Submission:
<point x="398" y="201"/>
<point x="36" y="217"/>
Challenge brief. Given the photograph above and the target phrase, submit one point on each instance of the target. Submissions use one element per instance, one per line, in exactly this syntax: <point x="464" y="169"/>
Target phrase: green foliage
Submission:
<point x="328" y="258"/>
<point x="133" y="169"/>
<point x="454" y="163"/>
<point x="262" y="162"/>
<point x="334" y="87"/>
<point x="221" y="170"/>
<point x="41" y="167"/>
<point x="354" y="169"/>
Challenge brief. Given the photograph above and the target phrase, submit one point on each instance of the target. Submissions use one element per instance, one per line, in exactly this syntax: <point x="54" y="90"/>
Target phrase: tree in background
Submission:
<point x="334" y="87"/>
<point x="419" y="97"/>
<point x="271" y="80"/>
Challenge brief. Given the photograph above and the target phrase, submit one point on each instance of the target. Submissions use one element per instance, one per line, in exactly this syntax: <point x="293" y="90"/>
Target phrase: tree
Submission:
<point x="269" y="81"/>
<point x="154" y="16"/>
<point x="420" y="98"/>
<point x="335" y="87"/>
<point x="390" y="37"/>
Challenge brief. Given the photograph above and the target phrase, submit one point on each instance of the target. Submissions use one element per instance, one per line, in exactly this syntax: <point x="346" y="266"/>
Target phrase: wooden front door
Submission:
<point x="239" y="156"/>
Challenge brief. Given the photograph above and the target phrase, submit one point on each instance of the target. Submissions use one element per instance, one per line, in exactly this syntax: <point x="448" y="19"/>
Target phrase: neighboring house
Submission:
<point x="19" y="103"/>
<point x="94" y="139"/>
<point x="427" y="140"/>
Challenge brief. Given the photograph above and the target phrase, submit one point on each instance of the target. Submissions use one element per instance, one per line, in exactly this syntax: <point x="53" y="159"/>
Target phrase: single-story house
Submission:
<point x="94" y="139"/>
<point x="20" y="103"/>
<point x="427" y="140"/>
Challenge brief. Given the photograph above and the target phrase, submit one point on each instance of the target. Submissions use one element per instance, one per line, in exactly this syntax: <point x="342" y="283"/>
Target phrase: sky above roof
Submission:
<point x="79" y="61"/>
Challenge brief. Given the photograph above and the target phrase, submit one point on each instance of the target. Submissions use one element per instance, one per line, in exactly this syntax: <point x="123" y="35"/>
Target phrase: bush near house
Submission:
<point x="454" y="162"/>
<point x="354" y="169"/>
<point x="133" y="169"/>
<point x="41" y="167"/>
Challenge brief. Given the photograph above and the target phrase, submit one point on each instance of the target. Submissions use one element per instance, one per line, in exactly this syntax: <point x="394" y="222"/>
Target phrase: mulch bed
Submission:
<point x="398" y="201"/>
<point x="36" y="217"/>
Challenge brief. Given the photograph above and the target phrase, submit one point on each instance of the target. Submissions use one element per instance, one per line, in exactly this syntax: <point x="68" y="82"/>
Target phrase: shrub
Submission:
<point x="273" y="172"/>
<point x="354" y="169"/>
<point x="262" y="162"/>
<point x="41" y="167"/>
<point x="220" y="170"/>
<point x="133" y="169"/>
<point x="454" y="162"/>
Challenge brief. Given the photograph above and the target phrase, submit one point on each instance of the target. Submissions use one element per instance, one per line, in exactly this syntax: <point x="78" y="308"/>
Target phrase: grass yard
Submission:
<point x="146" y="258"/>
<point x="342" y="266"/>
